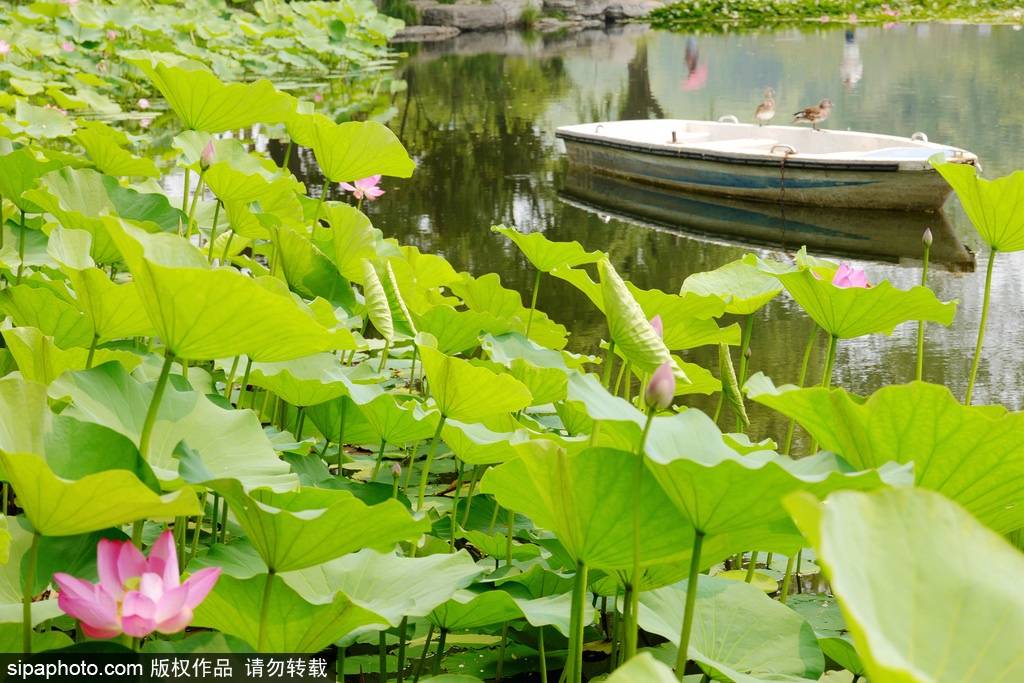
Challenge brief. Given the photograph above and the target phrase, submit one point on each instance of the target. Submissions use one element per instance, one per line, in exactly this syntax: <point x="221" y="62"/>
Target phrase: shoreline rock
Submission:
<point x="545" y="15"/>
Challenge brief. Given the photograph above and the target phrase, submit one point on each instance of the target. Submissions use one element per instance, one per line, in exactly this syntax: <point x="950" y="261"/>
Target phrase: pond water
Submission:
<point x="479" y="117"/>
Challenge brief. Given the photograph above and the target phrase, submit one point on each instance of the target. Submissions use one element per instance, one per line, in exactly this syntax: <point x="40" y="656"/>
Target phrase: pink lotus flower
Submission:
<point x="824" y="18"/>
<point x="136" y="595"/>
<point x="658" y="325"/>
<point x="367" y="187"/>
<point x="207" y="156"/>
<point x="5" y="47"/>
<point x="852" y="18"/>
<point x="67" y="46"/>
<point x="111" y="35"/>
<point x="847" y="277"/>
<point x="318" y="97"/>
<point x="662" y="387"/>
<point x="143" y="103"/>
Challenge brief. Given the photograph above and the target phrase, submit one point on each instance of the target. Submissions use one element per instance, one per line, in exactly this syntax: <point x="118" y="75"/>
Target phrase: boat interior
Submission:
<point x="742" y="138"/>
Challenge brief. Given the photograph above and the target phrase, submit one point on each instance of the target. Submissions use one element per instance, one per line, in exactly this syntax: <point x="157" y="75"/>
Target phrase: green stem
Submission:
<point x="384" y="357"/>
<point x="811" y="341"/>
<point x="499" y="669"/>
<point x="608" y="362"/>
<point x="199" y="526"/>
<point x="435" y="668"/>
<point x="382" y="655"/>
<point x="751" y="567"/>
<point x="261" y="642"/>
<point x="341" y="433"/>
<point x="533" y="303"/>
<point x="154" y="404"/>
<point x="27" y="586"/>
<point x="423" y="654"/>
<point x="227" y="246"/>
<point x="543" y="656"/>
<point x="426" y="465"/>
<point x="830" y="361"/>
<point x="920" y="323"/>
<point x="508" y="544"/>
<point x="981" y="327"/>
<point x="614" y="654"/>
<point x="469" y="497"/>
<point x="21" y="250"/>
<point x="92" y="351"/>
<point x="184" y="189"/>
<point x="214" y="519"/>
<point x="455" y="507"/>
<point x="402" y="639"/>
<point x="412" y="369"/>
<point x="748" y="330"/>
<point x="576" y="625"/>
<point x="300" y="421"/>
<point x="380" y="459"/>
<point x="213" y="230"/>
<point x="231" y="379"/>
<point x="224" y="522"/>
<point x="632" y="628"/>
<point x="618" y="377"/>
<point x="786" y="578"/>
<point x="137" y="528"/>
<point x="287" y="155"/>
<point x="691" y="599"/>
<point x="319" y="204"/>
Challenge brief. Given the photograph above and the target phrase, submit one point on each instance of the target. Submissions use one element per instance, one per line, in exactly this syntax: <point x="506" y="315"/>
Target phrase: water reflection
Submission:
<point x="479" y="116"/>
<point x="851" y="69"/>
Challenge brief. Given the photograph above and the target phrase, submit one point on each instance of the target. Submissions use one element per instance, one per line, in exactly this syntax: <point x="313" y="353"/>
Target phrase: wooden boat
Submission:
<point x="888" y="236"/>
<point x="842" y="169"/>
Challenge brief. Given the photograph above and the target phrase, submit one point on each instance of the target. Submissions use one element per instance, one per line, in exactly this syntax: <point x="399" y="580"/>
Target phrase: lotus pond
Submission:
<point x="238" y="417"/>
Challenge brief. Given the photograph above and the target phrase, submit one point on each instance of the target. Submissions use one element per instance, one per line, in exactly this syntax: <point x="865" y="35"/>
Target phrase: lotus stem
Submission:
<point x="26" y="604"/>
<point x="576" y="625"/>
<point x="751" y="567"/>
<point x="543" y="656"/>
<point x="830" y="361"/>
<point x="500" y="668"/>
<point x="300" y="421"/>
<point x="184" y="189"/>
<point x="412" y="368"/>
<point x="981" y="327"/>
<point x="627" y="605"/>
<point x="614" y="628"/>
<point x="691" y="600"/>
<point x="224" y="522"/>
<point x="632" y="628"/>
<point x="154" y="404"/>
<point x="341" y="434"/>
<point x="533" y="303"/>
<point x="402" y="639"/>
<point x="811" y="341"/>
<point x="920" y="323"/>
<point x="435" y="668"/>
<point x="473" y="478"/>
<point x="382" y="654"/>
<point x="748" y="331"/>
<point x="618" y="377"/>
<point x="786" y="578"/>
<point x="423" y="654"/>
<point x="92" y="351"/>
<point x="213" y="230"/>
<point x="137" y="528"/>
<point x="319" y="204"/>
<point x="214" y="518"/>
<point x="426" y="465"/>
<point x="287" y="155"/>
<point x="494" y="518"/>
<point x="384" y="356"/>
<point x="608" y="361"/>
<point x="231" y="379"/>
<point x="21" y="250"/>
<point x="227" y="246"/>
<point x="455" y="507"/>
<point x="261" y="642"/>
<point x="380" y="459"/>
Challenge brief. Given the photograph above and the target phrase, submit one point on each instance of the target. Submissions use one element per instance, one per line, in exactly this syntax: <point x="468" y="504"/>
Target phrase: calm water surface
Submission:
<point x="479" y="117"/>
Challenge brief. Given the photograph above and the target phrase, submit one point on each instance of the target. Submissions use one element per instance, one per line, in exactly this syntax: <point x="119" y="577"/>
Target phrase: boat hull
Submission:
<point x="881" y="186"/>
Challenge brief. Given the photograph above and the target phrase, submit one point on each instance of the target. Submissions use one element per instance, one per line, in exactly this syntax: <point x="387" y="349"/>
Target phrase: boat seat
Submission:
<point x="759" y="145"/>
<point x="685" y="138"/>
<point x="902" y="153"/>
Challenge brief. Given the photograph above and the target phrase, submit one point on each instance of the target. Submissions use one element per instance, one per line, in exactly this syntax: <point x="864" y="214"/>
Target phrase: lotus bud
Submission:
<point x="662" y="387"/>
<point x="143" y="103"/>
<point x="111" y="35"/>
<point x="396" y="470"/>
<point x="658" y="325"/>
<point x="5" y="47"/>
<point x="927" y="237"/>
<point x="206" y="158"/>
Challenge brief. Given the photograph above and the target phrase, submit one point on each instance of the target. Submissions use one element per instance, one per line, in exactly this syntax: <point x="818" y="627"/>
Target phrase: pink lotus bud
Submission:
<point x="5" y="47"/>
<point x="318" y="97"/>
<point x="136" y="595"/>
<point x="112" y="35"/>
<point x="662" y="387"/>
<point x="396" y="470"/>
<point x="207" y="157"/>
<point x="658" y="326"/>
<point x="67" y="46"/>
<point x="927" y="237"/>
<point x="143" y="103"/>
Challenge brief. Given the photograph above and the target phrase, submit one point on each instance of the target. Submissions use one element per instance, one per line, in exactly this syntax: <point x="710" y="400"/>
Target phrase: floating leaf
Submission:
<point x="19" y="171"/>
<point x="103" y="145"/>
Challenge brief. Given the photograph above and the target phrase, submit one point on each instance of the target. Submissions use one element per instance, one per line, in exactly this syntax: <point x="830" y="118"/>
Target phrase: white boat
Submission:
<point x="843" y="169"/>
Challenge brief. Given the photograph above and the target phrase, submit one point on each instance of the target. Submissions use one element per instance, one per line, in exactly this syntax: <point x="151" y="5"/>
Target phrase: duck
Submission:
<point x="814" y="114"/>
<point x="766" y="110"/>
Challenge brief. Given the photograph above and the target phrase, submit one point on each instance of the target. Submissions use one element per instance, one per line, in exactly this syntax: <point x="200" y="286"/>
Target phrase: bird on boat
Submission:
<point x="766" y="110"/>
<point x="815" y="114"/>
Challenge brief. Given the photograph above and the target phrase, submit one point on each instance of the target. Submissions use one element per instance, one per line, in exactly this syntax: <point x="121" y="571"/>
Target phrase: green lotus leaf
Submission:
<point x="506" y="348"/>
<point x="103" y="145"/>
<point x="643" y="667"/>
<point x="12" y="583"/>
<point x="377" y="309"/>
<point x="226" y="442"/>
<point x="629" y="328"/>
<point x="400" y="316"/>
<point x="247" y="316"/>
<point x="902" y="632"/>
<point x="477" y="444"/>
<point x="387" y="584"/>
<point x="588" y="502"/>
<point x="115" y="311"/>
<point x="455" y="331"/>
<point x="739" y="634"/>
<point x="292" y="623"/>
<point x="995" y="207"/>
<point x="309" y="272"/>
<point x="54" y="315"/>
<point x="855" y="311"/>
<point x="399" y="423"/>
<point x="922" y="424"/>
<point x="39" y="122"/>
<point x="741" y="284"/>
<point x="471" y="609"/>
<point x="303" y="381"/>
<point x="469" y="393"/>
<point x="81" y="198"/>
<point x="40" y="359"/>
<point x="547" y="255"/>
<point x="25" y="417"/>
<point x="420" y="278"/>
<point x="59" y="507"/>
<point x="299" y="529"/>
<point x="352" y="239"/>
<point x="203" y="102"/>
<point x="19" y="171"/>
<point x="341" y="420"/>
<point x="486" y="295"/>
<point x="353" y="150"/>
<point x="736" y="500"/>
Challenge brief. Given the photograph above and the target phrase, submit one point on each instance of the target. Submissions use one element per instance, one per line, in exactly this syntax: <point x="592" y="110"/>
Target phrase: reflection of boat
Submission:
<point x="769" y="163"/>
<point x="866" y="234"/>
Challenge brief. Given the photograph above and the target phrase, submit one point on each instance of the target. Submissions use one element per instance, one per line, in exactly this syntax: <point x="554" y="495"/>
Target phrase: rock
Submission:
<point x="567" y="7"/>
<point x="425" y="34"/>
<point x="469" y="16"/>
<point x="617" y="11"/>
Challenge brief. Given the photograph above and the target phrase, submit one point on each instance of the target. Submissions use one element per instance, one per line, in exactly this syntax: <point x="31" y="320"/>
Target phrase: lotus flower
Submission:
<point x="927" y="237"/>
<point x="658" y="325"/>
<point x="662" y="387"/>
<point x="847" y="277"/>
<point x="5" y="47"/>
<point x="136" y="595"/>
<point x="111" y="35"/>
<point x="207" y="156"/>
<point x="318" y="97"/>
<point x="367" y="187"/>
<point x="67" y="46"/>
<point x="143" y="103"/>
